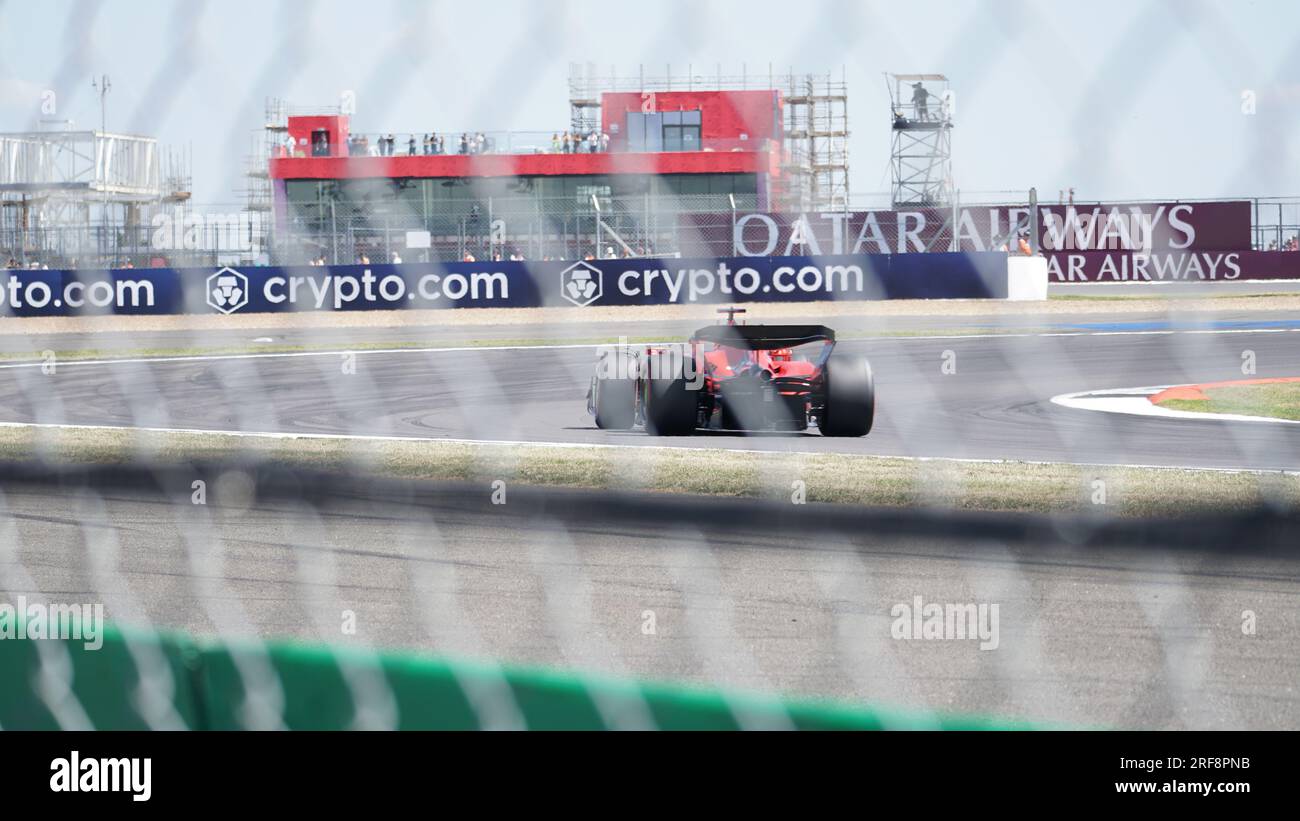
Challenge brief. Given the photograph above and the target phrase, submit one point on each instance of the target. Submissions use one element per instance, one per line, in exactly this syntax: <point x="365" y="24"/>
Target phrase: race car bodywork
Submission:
<point x="735" y="377"/>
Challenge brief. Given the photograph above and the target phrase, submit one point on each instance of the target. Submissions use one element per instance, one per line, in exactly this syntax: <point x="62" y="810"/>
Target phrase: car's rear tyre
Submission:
<point x="850" y="397"/>
<point x="671" y="406"/>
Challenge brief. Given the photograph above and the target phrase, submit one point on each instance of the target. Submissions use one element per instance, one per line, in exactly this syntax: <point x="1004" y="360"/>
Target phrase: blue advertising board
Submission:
<point x="642" y="281"/>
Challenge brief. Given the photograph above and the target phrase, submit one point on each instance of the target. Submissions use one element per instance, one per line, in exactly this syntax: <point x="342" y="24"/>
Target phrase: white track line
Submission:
<point x="1137" y="402"/>
<point x="283" y="355"/>
<point x="466" y="348"/>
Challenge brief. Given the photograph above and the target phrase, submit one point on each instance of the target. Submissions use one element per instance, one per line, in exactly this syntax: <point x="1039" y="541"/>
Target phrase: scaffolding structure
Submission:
<point x="86" y="196"/>
<point x="817" y="143"/>
<point x="920" y="115"/>
<point x="258" y="189"/>
<point x="815" y="152"/>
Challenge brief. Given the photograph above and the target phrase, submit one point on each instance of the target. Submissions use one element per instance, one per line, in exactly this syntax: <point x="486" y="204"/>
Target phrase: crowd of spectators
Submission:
<point x="592" y="142"/>
<point x="1292" y="244"/>
<point x="431" y="144"/>
<point x="14" y="264"/>
<point x="511" y="255"/>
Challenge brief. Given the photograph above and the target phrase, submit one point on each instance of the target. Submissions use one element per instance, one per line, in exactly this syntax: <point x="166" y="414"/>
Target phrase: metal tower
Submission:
<point x="921" y="118"/>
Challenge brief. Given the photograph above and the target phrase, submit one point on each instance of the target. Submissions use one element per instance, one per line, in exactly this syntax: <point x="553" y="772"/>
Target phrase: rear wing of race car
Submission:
<point x="764" y="337"/>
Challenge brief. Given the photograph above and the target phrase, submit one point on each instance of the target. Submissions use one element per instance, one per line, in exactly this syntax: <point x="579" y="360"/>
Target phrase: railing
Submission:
<point x="414" y="144"/>
<point x="450" y="142"/>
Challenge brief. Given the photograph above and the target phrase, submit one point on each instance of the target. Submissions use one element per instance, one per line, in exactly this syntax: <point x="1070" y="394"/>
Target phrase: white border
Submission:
<point x="1137" y="402"/>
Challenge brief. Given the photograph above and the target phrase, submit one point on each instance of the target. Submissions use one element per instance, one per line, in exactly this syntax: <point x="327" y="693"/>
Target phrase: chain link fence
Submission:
<point x="326" y="515"/>
<point x="596" y="224"/>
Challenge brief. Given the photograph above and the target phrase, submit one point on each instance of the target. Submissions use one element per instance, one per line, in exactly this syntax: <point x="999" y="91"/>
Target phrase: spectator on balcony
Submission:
<point x="555" y="143"/>
<point x="464" y="144"/>
<point x="410" y="146"/>
<point x="567" y="143"/>
<point x="604" y="142"/>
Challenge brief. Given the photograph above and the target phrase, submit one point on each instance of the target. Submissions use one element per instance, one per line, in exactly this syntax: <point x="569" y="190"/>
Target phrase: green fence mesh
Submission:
<point x="142" y="679"/>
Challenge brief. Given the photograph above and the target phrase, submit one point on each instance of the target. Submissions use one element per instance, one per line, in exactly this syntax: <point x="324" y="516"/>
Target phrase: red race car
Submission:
<point x="736" y="377"/>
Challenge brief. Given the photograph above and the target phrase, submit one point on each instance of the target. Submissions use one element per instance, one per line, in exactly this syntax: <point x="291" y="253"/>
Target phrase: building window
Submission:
<point x="664" y="131"/>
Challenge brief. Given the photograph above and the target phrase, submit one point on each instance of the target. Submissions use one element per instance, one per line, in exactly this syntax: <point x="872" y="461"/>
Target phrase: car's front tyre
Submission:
<point x="614" y="397"/>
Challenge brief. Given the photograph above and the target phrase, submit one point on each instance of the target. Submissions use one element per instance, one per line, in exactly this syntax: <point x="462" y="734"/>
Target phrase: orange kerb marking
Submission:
<point x="1195" y="392"/>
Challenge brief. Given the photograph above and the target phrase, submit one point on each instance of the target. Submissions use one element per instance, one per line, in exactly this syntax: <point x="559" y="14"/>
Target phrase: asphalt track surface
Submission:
<point x="1104" y="628"/>
<point x="971" y="395"/>
<point x="1103" y="634"/>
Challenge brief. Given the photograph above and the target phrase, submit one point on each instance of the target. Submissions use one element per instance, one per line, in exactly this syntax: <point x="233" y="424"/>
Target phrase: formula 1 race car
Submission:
<point x="736" y="377"/>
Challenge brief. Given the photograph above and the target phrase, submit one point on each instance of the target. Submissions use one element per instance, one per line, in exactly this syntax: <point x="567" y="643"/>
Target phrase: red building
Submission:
<point x="532" y="194"/>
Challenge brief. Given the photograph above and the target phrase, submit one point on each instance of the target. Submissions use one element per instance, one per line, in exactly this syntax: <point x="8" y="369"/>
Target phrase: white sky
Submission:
<point x="1117" y="99"/>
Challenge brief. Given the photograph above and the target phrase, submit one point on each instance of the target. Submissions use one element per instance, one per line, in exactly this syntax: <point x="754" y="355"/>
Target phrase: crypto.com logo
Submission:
<point x="581" y="284"/>
<point x="227" y="290"/>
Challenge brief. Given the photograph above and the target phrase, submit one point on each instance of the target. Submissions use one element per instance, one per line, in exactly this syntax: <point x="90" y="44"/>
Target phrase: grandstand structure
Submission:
<point x="814" y="109"/>
<point x="637" y="153"/>
<point x="84" y="196"/>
